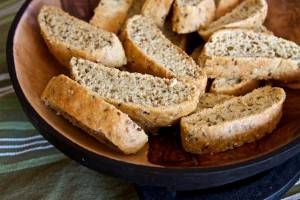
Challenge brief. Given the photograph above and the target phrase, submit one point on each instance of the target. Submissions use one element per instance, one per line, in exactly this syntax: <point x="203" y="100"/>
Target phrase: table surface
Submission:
<point x="30" y="167"/>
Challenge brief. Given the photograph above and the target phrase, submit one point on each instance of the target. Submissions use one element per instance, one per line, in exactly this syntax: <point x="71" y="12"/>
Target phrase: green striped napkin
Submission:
<point x="30" y="167"/>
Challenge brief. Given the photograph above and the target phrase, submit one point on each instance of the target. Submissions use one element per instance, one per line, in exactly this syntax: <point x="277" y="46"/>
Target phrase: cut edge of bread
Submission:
<point x="107" y="129"/>
<point x="148" y="116"/>
<point x="248" y="67"/>
<point x="111" y="56"/>
<point x="250" y="22"/>
<point x="211" y="139"/>
<point x="239" y="88"/>
<point x="139" y="61"/>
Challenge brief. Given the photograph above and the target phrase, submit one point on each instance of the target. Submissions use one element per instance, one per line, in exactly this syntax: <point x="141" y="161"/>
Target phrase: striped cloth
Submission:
<point x="30" y="167"/>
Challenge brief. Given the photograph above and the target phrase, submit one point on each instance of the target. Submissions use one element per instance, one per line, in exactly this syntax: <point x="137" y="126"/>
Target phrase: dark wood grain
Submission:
<point x="35" y="66"/>
<point x="284" y="19"/>
<point x="81" y="9"/>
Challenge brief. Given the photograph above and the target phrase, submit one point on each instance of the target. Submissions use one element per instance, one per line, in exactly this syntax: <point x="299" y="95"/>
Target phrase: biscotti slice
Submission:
<point x="150" y="101"/>
<point x="233" y="123"/>
<point x="149" y="51"/>
<point x="190" y="15"/>
<point x="233" y="86"/>
<point x="209" y="100"/>
<point x="250" y="13"/>
<point x="157" y="10"/>
<point x="110" y="15"/>
<point x="67" y="36"/>
<point x="250" y="55"/>
<point x="225" y="6"/>
<point x="91" y="113"/>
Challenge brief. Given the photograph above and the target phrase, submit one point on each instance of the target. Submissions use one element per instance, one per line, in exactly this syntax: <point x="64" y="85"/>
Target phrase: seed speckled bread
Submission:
<point x="250" y="55"/>
<point x="233" y="86"/>
<point x="225" y="6"/>
<point x="110" y="15"/>
<point x="249" y="14"/>
<point x="209" y="100"/>
<point x="149" y="51"/>
<point x="150" y="101"/>
<point x="67" y="36"/>
<point x="91" y="113"/>
<point x="235" y="122"/>
<point x="157" y="10"/>
<point x="190" y="15"/>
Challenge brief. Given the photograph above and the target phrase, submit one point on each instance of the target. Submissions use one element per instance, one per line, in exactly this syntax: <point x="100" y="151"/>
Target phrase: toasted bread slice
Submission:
<point x="233" y="86"/>
<point x="225" y="6"/>
<point x="210" y="100"/>
<point x="249" y="14"/>
<point x="149" y="51"/>
<point x="110" y="15"/>
<point x="67" y="36"/>
<point x="91" y="113"/>
<point x="190" y="15"/>
<point x="150" y="101"/>
<point x="250" y="55"/>
<point x="235" y="122"/>
<point x="157" y="10"/>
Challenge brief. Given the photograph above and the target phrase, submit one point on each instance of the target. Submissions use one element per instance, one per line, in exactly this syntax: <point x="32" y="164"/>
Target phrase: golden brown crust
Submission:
<point x="230" y="134"/>
<point x="149" y="116"/>
<point x="260" y="68"/>
<point x="112" y="55"/>
<point x="189" y="18"/>
<point x="255" y="20"/>
<point x="236" y="89"/>
<point x="141" y="62"/>
<point x="157" y="10"/>
<point x="225" y="6"/>
<point x="91" y="113"/>
<point x="110" y="15"/>
<point x="250" y="68"/>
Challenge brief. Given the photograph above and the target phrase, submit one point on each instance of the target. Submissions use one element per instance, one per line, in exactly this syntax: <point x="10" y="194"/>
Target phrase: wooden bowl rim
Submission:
<point x="160" y="176"/>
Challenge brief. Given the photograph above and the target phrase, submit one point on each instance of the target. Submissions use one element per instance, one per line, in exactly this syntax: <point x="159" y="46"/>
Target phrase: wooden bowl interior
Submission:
<point x="35" y="66"/>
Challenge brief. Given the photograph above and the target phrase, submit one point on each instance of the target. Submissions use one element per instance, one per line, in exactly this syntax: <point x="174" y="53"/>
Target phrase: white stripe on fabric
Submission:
<point x="293" y="197"/>
<point x="4" y="77"/>
<point x="7" y="154"/>
<point x="7" y="92"/>
<point x="19" y="146"/>
<point x="6" y="88"/>
<point x="24" y="139"/>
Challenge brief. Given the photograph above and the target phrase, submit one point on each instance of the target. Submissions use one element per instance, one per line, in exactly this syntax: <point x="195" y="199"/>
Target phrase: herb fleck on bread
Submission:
<point x="150" y="101"/>
<point x="67" y="36"/>
<point x="235" y="122"/>
<point x="91" y="113"/>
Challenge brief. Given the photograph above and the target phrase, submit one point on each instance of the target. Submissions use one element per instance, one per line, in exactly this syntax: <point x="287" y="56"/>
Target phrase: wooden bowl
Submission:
<point x="162" y="162"/>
